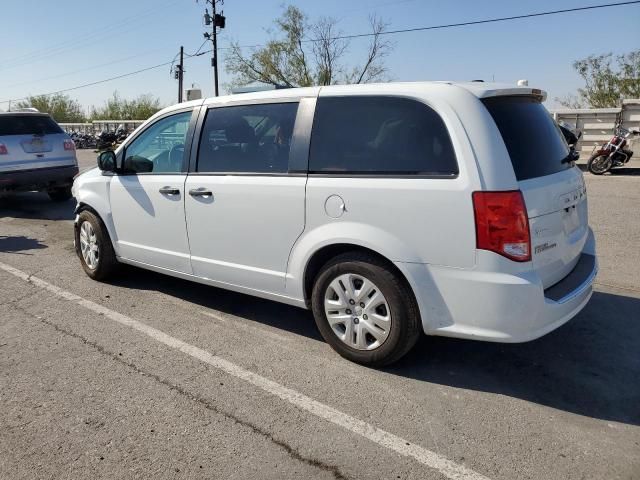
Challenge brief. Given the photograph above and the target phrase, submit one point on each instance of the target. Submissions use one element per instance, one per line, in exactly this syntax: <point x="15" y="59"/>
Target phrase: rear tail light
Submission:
<point x="3" y="149"/>
<point x="69" y="145"/>
<point x="502" y="224"/>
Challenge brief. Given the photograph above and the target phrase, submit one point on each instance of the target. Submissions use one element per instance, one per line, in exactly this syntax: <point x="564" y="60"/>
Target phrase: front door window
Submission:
<point x="160" y="148"/>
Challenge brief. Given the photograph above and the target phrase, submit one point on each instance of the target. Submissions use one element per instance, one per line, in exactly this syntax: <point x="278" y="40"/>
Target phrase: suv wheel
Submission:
<point x="60" y="194"/>
<point x="364" y="310"/>
<point x="94" y="247"/>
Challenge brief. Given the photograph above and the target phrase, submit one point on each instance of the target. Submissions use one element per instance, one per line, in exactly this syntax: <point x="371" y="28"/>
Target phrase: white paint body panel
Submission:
<point x="243" y="235"/>
<point x="150" y="226"/>
<point x="258" y="233"/>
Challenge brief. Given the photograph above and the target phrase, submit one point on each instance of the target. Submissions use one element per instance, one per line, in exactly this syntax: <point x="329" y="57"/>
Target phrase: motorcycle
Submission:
<point x="83" y="140"/>
<point x="106" y="140"/>
<point x="613" y="153"/>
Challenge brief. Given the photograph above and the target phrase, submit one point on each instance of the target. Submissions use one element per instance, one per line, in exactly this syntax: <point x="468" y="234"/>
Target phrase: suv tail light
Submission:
<point x="3" y="149"/>
<point x="502" y="224"/>
<point x="69" y="145"/>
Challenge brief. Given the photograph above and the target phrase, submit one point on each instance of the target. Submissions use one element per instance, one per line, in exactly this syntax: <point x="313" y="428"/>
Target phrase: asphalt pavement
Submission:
<point x="149" y="376"/>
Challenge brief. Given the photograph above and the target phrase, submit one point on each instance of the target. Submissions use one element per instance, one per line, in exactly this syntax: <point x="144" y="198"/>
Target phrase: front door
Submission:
<point x="147" y="199"/>
<point x="244" y="207"/>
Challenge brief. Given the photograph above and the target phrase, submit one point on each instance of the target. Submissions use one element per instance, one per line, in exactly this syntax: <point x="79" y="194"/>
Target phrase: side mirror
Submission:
<point x="137" y="164"/>
<point x="107" y="161"/>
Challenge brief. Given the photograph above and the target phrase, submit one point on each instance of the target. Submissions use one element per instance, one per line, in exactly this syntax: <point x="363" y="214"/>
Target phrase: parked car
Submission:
<point x="36" y="154"/>
<point x="388" y="210"/>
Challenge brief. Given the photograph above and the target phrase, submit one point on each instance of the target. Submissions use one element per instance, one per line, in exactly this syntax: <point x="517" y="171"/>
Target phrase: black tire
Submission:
<point x="597" y="171"/>
<point x="60" y="194"/>
<point x="405" y="327"/>
<point x="107" y="263"/>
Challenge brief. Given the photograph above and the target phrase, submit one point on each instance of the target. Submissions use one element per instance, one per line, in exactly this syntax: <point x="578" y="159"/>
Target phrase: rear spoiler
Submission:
<point x="504" y="92"/>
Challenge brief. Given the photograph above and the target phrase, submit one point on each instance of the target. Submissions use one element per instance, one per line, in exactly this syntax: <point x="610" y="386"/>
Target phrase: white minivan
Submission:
<point x="388" y="210"/>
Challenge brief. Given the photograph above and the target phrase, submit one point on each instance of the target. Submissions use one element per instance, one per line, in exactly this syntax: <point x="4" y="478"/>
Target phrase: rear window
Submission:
<point x="379" y="135"/>
<point x="28" y="125"/>
<point x="534" y="141"/>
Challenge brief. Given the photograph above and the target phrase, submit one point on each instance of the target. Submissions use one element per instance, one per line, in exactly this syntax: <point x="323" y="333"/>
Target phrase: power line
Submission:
<point x="83" y="41"/>
<point x="391" y="32"/>
<point x="197" y="52"/>
<point x="480" y="22"/>
<point x="92" y="83"/>
<point x="73" y="72"/>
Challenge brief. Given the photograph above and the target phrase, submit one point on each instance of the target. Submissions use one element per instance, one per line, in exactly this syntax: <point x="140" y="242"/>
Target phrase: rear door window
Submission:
<point x="533" y="140"/>
<point x="28" y="125"/>
<point x="379" y="135"/>
<point x="247" y="139"/>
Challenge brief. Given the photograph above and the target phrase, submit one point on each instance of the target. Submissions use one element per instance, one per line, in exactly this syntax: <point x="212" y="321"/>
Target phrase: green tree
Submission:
<point x="61" y="107"/>
<point x="608" y="80"/>
<point x="118" y="108"/>
<point x="306" y="54"/>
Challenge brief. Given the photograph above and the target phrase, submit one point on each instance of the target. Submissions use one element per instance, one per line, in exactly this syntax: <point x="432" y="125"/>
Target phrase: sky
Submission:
<point x="47" y="46"/>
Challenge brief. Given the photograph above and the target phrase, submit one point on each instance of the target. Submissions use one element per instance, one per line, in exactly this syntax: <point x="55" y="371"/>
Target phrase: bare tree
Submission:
<point x="295" y="60"/>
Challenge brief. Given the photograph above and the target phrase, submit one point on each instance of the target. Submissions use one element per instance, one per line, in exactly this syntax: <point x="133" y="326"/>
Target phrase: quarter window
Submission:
<point x="379" y="135"/>
<point x="247" y="139"/>
<point x="160" y="148"/>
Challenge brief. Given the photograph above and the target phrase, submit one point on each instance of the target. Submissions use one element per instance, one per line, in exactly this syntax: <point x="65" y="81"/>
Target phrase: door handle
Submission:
<point x="169" y="191"/>
<point x="200" y="192"/>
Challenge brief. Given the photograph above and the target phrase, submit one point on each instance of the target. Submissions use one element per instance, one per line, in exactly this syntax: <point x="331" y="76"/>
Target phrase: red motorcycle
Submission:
<point x="612" y="154"/>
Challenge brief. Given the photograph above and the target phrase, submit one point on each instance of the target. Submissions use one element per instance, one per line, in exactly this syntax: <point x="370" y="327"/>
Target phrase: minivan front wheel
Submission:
<point x="94" y="247"/>
<point x="364" y="310"/>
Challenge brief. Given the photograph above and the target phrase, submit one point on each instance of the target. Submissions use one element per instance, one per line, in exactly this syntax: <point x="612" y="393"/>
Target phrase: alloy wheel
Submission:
<point x="89" y="245"/>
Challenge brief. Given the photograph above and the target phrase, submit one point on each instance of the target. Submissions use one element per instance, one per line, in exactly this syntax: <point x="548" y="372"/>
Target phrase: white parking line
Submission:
<point x="381" y="437"/>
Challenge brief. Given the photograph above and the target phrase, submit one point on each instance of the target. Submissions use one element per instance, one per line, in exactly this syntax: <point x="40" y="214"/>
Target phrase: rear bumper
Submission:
<point x="501" y="307"/>
<point x="37" y="179"/>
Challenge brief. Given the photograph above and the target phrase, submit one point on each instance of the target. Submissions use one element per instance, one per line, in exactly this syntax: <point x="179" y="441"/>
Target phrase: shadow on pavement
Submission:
<point x="625" y="171"/>
<point x="35" y="205"/>
<point x="19" y="244"/>
<point x="590" y="366"/>
<point x="278" y="315"/>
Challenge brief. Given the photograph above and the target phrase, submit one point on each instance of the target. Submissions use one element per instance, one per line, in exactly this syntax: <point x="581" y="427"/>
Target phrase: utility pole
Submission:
<point x="218" y="20"/>
<point x="180" y="74"/>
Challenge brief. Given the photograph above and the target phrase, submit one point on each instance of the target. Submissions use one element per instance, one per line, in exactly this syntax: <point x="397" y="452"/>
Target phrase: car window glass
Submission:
<point x="379" y="135"/>
<point x="534" y="141"/>
<point x="247" y="138"/>
<point x="28" y="125"/>
<point x="160" y="148"/>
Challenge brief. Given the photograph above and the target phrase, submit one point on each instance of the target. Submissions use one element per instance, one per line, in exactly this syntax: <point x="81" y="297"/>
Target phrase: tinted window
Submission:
<point x="248" y="138"/>
<point x="160" y="148"/>
<point x="533" y="139"/>
<point x="28" y="125"/>
<point x="383" y="135"/>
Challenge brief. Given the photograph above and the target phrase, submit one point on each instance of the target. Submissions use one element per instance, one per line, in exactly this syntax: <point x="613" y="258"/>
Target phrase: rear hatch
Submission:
<point x="32" y="141"/>
<point x="553" y="190"/>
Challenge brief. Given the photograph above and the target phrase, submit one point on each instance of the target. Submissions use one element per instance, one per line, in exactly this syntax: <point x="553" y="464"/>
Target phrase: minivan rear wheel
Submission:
<point x="365" y="310"/>
<point x="94" y="247"/>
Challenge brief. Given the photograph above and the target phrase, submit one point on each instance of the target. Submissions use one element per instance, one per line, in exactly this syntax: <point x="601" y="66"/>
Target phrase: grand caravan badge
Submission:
<point x="544" y="247"/>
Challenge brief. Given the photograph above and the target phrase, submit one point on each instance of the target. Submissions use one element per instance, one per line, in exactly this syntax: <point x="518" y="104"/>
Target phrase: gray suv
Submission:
<point x="36" y="154"/>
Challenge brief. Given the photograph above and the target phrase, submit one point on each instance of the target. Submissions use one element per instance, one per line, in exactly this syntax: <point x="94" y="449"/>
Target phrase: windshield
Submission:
<point x="533" y="140"/>
<point x="28" y="125"/>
